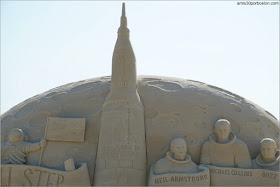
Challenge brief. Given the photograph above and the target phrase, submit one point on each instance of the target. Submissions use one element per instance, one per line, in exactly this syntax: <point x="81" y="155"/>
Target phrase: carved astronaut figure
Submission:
<point x="269" y="157"/>
<point x="17" y="149"/>
<point x="224" y="149"/>
<point x="176" y="161"/>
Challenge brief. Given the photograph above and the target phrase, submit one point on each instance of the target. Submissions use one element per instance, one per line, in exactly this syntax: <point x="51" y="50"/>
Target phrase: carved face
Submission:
<point x="222" y="131"/>
<point x="179" y="149"/>
<point x="15" y="136"/>
<point x="268" y="149"/>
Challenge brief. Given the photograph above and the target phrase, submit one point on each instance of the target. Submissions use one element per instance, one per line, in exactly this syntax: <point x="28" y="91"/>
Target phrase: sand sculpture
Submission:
<point x="117" y="130"/>
<point x="18" y="149"/>
<point x="224" y="149"/>
<point x="176" y="160"/>
<point x="122" y="110"/>
<point x="269" y="157"/>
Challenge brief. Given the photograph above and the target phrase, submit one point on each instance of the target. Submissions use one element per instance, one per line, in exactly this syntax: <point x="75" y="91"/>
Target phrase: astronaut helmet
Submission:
<point x="16" y="135"/>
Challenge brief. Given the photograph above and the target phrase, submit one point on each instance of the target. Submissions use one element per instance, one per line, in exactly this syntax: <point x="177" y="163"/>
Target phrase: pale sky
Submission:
<point x="48" y="44"/>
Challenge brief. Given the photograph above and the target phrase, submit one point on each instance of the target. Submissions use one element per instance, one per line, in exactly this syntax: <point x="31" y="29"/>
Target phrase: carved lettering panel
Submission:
<point x="23" y="175"/>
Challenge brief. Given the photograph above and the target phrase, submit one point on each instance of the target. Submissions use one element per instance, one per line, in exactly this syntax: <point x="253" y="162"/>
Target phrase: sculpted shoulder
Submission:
<point x="239" y="144"/>
<point x="206" y="144"/>
<point x="161" y="166"/>
<point x="193" y="166"/>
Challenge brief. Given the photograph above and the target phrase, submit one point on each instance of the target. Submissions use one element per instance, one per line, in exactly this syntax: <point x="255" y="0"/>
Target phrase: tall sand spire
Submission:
<point x="123" y="62"/>
<point x="121" y="154"/>
<point x="123" y="18"/>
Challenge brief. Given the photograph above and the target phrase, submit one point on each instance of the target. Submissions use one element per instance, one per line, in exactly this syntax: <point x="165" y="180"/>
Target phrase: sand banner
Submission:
<point x="25" y="175"/>
<point x="201" y="178"/>
<point x="221" y="176"/>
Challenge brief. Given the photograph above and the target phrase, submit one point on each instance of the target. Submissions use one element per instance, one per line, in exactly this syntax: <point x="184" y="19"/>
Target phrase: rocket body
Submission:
<point x="121" y="154"/>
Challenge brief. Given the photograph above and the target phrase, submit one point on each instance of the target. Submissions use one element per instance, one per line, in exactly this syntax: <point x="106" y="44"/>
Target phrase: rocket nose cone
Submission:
<point x="123" y="9"/>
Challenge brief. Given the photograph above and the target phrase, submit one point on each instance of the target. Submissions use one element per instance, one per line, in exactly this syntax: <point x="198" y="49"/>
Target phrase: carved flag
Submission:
<point x="65" y="129"/>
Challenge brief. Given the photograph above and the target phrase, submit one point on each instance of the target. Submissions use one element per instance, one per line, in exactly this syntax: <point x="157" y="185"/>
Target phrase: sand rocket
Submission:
<point x="121" y="154"/>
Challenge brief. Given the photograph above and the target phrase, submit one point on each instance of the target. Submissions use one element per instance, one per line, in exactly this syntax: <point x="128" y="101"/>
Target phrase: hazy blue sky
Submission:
<point x="52" y="43"/>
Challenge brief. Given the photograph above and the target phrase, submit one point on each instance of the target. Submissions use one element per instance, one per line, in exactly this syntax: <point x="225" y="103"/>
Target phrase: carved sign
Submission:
<point x="201" y="178"/>
<point x="24" y="175"/>
<point x="66" y="129"/>
<point x="221" y="176"/>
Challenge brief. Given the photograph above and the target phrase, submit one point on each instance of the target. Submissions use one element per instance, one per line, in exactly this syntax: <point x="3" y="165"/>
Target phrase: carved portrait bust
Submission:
<point x="224" y="149"/>
<point x="269" y="157"/>
<point x="177" y="160"/>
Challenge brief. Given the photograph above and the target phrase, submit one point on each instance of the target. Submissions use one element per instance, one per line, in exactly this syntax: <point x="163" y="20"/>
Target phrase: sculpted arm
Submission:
<point x="205" y="154"/>
<point x="242" y="156"/>
<point x="33" y="147"/>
